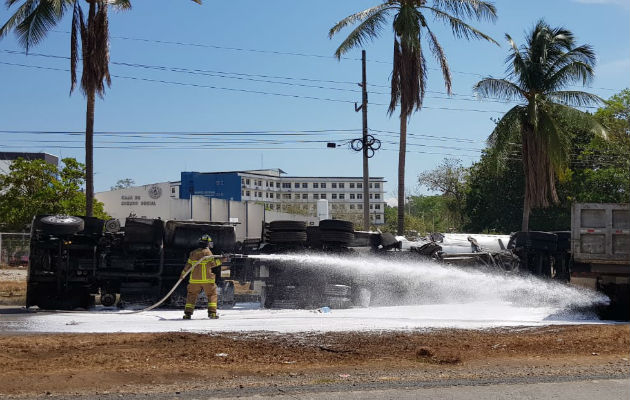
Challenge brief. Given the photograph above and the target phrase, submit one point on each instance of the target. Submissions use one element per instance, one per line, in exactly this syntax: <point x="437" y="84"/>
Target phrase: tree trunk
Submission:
<point x="526" y="212"/>
<point x="402" y="152"/>
<point x="89" y="150"/>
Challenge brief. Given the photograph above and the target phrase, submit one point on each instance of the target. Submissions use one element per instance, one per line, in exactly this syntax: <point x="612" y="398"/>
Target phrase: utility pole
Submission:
<point x="366" y="174"/>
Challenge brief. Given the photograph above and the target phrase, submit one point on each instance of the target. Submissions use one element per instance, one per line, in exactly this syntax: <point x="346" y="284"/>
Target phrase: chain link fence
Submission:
<point x="14" y="249"/>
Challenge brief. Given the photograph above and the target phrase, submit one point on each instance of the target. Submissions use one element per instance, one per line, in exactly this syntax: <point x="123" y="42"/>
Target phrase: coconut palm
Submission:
<point x="33" y="20"/>
<point x="409" y="72"/>
<point x="538" y="72"/>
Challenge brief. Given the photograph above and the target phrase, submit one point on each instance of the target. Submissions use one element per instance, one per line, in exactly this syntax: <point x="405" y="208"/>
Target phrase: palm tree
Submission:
<point x="33" y="20"/>
<point x="537" y="74"/>
<point x="409" y="72"/>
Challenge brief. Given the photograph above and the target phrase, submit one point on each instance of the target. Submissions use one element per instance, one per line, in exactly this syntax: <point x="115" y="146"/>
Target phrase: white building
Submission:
<point x="274" y="192"/>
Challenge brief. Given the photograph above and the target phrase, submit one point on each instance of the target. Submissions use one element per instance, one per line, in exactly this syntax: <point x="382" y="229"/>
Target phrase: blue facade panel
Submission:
<point x="226" y="186"/>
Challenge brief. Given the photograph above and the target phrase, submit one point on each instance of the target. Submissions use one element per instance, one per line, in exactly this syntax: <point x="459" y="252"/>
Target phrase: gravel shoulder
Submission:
<point x="68" y="364"/>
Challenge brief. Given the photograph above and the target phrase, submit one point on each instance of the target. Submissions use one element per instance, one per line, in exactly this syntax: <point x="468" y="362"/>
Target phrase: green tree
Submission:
<point x="449" y="178"/>
<point x="32" y="21"/>
<point x="539" y="71"/>
<point x="36" y="187"/>
<point x="123" y="184"/>
<point x="409" y="71"/>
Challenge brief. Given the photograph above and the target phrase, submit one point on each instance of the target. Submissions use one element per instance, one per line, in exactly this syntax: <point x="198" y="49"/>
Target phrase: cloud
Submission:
<point x="621" y="3"/>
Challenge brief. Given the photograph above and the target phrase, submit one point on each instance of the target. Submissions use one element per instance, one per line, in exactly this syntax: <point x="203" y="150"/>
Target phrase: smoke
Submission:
<point x="409" y="281"/>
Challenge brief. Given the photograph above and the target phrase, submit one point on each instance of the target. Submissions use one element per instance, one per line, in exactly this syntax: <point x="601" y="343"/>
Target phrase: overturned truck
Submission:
<point x="76" y="262"/>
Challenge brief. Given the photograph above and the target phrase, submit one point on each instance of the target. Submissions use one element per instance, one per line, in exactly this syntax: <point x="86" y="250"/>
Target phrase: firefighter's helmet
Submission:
<point x="206" y="241"/>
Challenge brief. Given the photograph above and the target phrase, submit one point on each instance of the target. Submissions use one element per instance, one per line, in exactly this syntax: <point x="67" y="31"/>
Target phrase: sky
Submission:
<point x="248" y="84"/>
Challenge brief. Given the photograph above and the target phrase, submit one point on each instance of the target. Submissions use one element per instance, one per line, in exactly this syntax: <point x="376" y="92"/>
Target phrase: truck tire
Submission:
<point x="287" y="226"/>
<point x="337" y="237"/>
<point x="336" y="225"/>
<point x="313" y="237"/>
<point x="287" y="237"/>
<point x="61" y="224"/>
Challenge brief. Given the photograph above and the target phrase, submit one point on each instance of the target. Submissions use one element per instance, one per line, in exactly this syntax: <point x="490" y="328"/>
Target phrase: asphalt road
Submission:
<point x="525" y="389"/>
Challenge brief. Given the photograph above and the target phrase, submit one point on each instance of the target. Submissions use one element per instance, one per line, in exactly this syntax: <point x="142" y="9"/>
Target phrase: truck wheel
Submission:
<point x="287" y="226"/>
<point x="287" y="237"/>
<point x="336" y="225"/>
<point x="337" y="237"/>
<point x="61" y="224"/>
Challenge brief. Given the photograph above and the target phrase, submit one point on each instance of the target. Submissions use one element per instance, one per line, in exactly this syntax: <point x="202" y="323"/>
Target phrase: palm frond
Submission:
<point x="367" y="30"/>
<point x="20" y="14"/>
<point x="569" y="74"/>
<point x="41" y="19"/>
<point x="438" y="52"/>
<point x="459" y="28"/>
<point x="77" y="20"/>
<point x="477" y="9"/>
<point x="360" y="16"/>
<point x="556" y="140"/>
<point x="500" y="88"/>
<point x="122" y="5"/>
<point x="507" y="129"/>
<point x="516" y="65"/>
<point x="575" y="98"/>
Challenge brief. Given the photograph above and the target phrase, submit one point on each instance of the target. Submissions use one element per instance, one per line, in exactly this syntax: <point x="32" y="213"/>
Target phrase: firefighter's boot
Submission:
<point x="213" y="315"/>
<point x="187" y="315"/>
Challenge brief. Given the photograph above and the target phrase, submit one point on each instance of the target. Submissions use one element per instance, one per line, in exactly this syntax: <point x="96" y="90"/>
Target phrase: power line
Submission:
<point x="249" y="90"/>
<point x="253" y="78"/>
<point x="285" y="53"/>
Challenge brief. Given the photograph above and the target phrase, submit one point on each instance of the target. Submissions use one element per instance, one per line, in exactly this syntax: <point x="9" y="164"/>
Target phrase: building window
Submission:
<point x="377" y="196"/>
<point x="377" y="185"/>
<point x="315" y="185"/>
<point x="315" y="196"/>
<point x="247" y="193"/>
<point x="297" y="197"/>
<point x="247" y="181"/>
<point x="342" y="185"/>
<point x="266" y="184"/>
<point x="333" y="185"/>
<point x="266" y="195"/>
<point x="370" y="186"/>
<point x="342" y="196"/>
<point x="323" y="185"/>
<point x="333" y="196"/>
<point x="371" y="207"/>
<point x="277" y="206"/>
<point x="351" y="185"/>
<point x="286" y="185"/>
<point x="352" y="206"/>
<point x="172" y="190"/>
<point x="377" y="207"/>
<point x="323" y="196"/>
<point x="271" y="195"/>
<point x="359" y="186"/>
<point x="360" y="206"/>
<point x="370" y="196"/>
<point x="277" y="184"/>
<point x="359" y="196"/>
<point x="286" y="196"/>
<point x="305" y="196"/>
<point x="304" y="185"/>
<point x="352" y="196"/>
<point x="260" y="194"/>
<point x="297" y="185"/>
<point x="378" y="216"/>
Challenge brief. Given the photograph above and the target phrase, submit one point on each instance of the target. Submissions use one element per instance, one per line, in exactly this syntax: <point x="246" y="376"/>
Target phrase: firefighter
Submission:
<point x="202" y="278"/>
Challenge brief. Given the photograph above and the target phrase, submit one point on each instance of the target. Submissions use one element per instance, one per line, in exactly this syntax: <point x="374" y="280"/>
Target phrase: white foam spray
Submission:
<point x="404" y="281"/>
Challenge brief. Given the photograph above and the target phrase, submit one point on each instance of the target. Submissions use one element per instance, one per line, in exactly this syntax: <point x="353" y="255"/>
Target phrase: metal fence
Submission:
<point x="14" y="249"/>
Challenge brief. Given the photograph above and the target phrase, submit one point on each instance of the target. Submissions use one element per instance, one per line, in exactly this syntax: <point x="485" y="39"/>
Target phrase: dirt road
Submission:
<point x="171" y="362"/>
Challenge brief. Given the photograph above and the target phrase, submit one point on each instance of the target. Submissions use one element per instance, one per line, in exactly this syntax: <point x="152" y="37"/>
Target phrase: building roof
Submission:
<point x="10" y="156"/>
